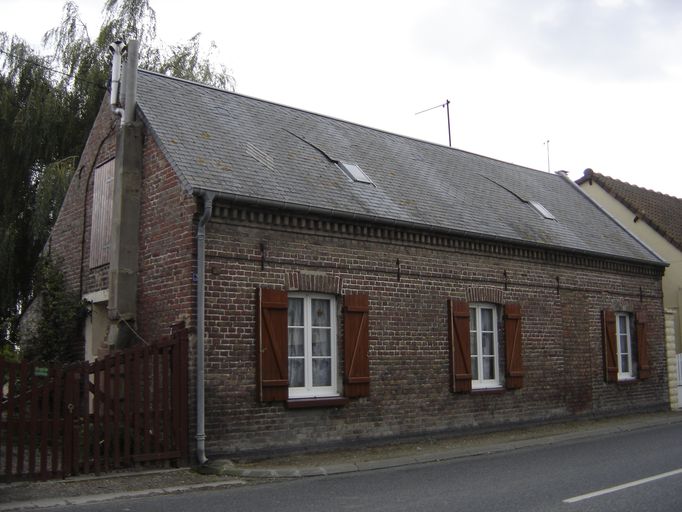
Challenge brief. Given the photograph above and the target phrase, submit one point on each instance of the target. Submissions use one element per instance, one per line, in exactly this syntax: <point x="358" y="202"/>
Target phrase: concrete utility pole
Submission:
<point x="123" y="266"/>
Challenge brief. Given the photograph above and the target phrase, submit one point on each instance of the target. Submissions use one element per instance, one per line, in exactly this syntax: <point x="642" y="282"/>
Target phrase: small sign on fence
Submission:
<point x="40" y="371"/>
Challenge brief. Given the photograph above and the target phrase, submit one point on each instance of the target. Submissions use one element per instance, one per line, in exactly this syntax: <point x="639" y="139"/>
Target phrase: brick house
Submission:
<point x="357" y="284"/>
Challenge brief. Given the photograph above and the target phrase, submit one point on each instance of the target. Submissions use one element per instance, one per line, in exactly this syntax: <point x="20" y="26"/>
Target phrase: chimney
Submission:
<point x="124" y="106"/>
<point x="117" y="48"/>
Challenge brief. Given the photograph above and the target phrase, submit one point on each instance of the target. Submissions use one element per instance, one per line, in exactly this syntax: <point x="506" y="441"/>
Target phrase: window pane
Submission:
<point x="624" y="364"/>
<point x="296" y="345"/>
<point x="488" y="368"/>
<point x="474" y="368"/>
<point x="322" y="342"/>
<point x="322" y="373"/>
<point x="296" y="311"/>
<point x="473" y="344"/>
<point x="487" y="340"/>
<point x="624" y="348"/>
<point x="486" y="319"/>
<point x="320" y="312"/>
<point x="622" y="324"/>
<point x="296" y="373"/>
<point x="472" y="319"/>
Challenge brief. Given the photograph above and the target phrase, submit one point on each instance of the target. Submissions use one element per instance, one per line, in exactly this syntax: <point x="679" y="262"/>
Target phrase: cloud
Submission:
<point x="602" y="39"/>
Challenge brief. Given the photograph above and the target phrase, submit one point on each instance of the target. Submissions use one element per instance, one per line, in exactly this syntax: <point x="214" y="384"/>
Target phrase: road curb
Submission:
<point x="100" y="498"/>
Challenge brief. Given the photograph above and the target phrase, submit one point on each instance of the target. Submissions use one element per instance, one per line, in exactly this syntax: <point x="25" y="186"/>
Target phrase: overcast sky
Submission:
<point x="600" y="79"/>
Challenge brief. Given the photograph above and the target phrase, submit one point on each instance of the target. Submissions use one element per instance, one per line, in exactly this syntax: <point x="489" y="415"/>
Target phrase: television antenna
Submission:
<point x="546" y="144"/>
<point x="447" y="108"/>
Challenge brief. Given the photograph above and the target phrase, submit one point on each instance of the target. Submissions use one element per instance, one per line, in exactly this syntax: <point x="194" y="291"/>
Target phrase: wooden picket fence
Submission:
<point x="128" y="409"/>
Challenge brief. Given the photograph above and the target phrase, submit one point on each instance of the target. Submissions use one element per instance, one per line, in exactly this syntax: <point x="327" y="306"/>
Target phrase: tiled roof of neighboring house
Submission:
<point x="660" y="211"/>
<point x="250" y="150"/>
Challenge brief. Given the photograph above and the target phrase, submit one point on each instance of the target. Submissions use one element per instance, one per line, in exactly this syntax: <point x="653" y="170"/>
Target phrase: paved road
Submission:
<point x="633" y="471"/>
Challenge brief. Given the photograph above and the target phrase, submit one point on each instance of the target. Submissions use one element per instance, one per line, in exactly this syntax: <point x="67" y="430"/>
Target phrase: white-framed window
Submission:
<point x="483" y="338"/>
<point x="312" y="351"/>
<point x="625" y="347"/>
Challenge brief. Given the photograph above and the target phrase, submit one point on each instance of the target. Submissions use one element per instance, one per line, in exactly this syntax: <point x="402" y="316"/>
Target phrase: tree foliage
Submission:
<point x="47" y="106"/>
<point x="58" y="321"/>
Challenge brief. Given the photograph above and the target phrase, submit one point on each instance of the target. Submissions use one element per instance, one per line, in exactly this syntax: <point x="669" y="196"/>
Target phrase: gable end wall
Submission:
<point x="166" y="255"/>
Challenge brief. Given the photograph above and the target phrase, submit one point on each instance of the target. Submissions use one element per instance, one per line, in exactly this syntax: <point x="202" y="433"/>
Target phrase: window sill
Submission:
<point x="306" y="403"/>
<point x="627" y="382"/>
<point x="488" y="391"/>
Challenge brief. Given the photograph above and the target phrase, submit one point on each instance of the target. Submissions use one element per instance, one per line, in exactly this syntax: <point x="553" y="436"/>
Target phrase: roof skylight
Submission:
<point x="542" y="210"/>
<point x="354" y="172"/>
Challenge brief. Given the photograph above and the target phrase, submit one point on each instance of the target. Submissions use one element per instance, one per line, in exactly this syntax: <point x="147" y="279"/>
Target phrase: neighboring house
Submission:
<point x="652" y="217"/>
<point x="358" y="284"/>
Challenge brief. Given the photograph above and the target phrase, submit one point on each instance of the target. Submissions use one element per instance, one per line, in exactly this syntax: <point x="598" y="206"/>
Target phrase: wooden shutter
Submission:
<point x="512" y="344"/>
<point x="642" y="346"/>
<point x="460" y="350"/>
<point x="356" y="345"/>
<point x="608" y="320"/>
<point x="272" y="365"/>
<point x="102" y="206"/>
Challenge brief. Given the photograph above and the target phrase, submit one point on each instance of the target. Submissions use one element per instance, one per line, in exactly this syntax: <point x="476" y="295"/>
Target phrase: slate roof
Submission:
<point x="660" y="211"/>
<point x="250" y="150"/>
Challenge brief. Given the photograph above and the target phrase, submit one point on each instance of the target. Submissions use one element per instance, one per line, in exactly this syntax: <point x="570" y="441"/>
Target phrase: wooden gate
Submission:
<point x="127" y="409"/>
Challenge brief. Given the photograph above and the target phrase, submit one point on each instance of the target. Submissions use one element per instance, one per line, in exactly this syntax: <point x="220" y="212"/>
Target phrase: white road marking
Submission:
<point x="623" y="486"/>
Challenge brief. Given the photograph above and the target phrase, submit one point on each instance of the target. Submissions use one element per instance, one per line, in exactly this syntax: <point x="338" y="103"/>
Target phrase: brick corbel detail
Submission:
<point x="306" y="281"/>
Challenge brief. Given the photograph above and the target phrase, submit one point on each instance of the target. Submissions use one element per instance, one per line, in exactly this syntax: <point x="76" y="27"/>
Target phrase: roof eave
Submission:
<point x="356" y="217"/>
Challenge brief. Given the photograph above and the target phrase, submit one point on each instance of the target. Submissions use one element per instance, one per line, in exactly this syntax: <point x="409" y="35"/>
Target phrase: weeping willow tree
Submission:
<point x="48" y="102"/>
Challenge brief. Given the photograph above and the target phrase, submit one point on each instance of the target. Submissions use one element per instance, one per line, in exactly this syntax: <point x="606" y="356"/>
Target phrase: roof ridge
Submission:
<point x="325" y="116"/>
<point x="592" y="174"/>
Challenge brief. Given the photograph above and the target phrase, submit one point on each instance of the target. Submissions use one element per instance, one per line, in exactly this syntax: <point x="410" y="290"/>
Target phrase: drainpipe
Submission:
<point x="201" y="280"/>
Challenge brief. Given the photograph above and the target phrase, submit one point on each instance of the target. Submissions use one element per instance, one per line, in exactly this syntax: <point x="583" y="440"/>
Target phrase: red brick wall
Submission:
<point x="166" y="258"/>
<point x="166" y="290"/>
<point x="410" y="392"/>
<point x="73" y="222"/>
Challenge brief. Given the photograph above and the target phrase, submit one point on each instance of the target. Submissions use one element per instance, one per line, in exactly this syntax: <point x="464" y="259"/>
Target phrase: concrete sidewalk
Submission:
<point x="433" y="449"/>
<point x="221" y="473"/>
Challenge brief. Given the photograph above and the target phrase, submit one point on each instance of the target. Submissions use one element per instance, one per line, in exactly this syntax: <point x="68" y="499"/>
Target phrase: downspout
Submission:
<point x="201" y="281"/>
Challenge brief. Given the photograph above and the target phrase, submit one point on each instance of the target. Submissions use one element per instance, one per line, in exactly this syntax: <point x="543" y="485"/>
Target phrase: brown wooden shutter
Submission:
<point x="272" y="365"/>
<point x="608" y="319"/>
<point x="460" y="350"/>
<point x="642" y="346"/>
<point x="356" y="345"/>
<point x="513" y="348"/>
